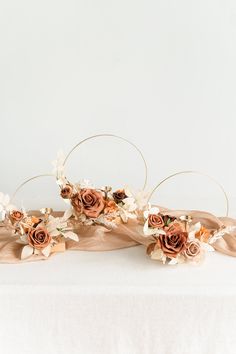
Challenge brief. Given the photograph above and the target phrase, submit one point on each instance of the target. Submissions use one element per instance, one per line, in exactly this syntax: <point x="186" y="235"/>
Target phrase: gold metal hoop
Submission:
<point x="194" y="172"/>
<point x="113" y="136"/>
<point x="29" y="180"/>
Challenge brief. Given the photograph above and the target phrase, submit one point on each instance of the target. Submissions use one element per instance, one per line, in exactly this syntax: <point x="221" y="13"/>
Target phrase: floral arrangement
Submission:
<point x="101" y="206"/>
<point x="90" y="206"/>
<point x="178" y="240"/>
<point x="38" y="234"/>
<point x="169" y="239"/>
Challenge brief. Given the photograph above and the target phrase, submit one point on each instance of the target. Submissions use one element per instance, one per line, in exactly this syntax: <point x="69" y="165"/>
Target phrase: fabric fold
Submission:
<point x="100" y="238"/>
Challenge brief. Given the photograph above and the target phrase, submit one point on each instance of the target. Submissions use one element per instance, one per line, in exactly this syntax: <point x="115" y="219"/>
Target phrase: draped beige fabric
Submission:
<point x="99" y="238"/>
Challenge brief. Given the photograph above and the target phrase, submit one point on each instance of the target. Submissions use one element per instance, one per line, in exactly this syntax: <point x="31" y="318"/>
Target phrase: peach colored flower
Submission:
<point x="88" y="201"/>
<point x="30" y="221"/>
<point x="39" y="238"/>
<point x="193" y="249"/>
<point x="110" y="207"/>
<point x="16" y="216"/>
<point x="67" y="192"/>
<point x="155" y="221"/>
<point x="203" y="234"/>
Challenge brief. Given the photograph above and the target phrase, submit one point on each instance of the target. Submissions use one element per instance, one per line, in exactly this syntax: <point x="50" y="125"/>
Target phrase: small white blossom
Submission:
<point x="5" y="205"/>
<point x="59" y="168"/>
<point x="85" y="183"/>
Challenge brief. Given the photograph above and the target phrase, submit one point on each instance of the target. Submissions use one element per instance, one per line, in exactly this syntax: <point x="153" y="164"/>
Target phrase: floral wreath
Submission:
<point x="168" y="238"/>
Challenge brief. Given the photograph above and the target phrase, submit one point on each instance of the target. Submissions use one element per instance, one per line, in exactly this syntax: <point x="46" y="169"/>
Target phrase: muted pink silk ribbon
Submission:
<point x="99" y="238"/>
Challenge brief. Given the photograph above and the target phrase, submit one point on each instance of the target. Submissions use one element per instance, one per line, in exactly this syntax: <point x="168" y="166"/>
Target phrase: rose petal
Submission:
<point x="27" y="251"/>
<point x="68" y="213"/>
<point x="47" y="250"/>
<point x="173" y="261"/>
<point x="71" y="235"/>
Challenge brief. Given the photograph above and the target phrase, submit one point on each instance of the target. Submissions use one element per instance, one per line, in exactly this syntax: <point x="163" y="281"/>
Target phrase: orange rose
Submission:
<point x="155" y="221"/>
<point x="16" y="216"/>
<point x="39" y="238"/>
<point x="173" y="242"/>
<point x="88" y="201"/>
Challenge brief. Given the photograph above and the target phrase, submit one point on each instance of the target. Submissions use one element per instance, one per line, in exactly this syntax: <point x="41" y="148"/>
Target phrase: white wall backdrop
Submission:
<point x="161" y="73"/>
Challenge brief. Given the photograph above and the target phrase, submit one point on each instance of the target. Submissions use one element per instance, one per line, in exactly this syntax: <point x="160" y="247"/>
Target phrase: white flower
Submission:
<point x="85" y="183"/>
<point x="126" y="214"/>
<point x="5" y="205"/>
<point x="101" y="219"/>
<point x="140" y="197"/>
<point x="59" y="226"/>
<point x="129" y="204"/>
<point x="128" y="207"/>
<point x="151" y="211"/>
<point x="58" y="168"/>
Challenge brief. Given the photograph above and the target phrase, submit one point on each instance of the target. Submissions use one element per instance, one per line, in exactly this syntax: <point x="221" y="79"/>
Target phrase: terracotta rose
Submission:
<point x="173" y="242"/>
<point x="155" y="221"/>
<point x="16" y="216"/>
<point x="39" y="238"/>
<point x="88" y="201"/>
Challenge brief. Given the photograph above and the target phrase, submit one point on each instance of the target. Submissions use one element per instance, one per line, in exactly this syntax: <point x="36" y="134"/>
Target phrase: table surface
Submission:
<point x="124" y="269"/>
<point x="118" y="302"/>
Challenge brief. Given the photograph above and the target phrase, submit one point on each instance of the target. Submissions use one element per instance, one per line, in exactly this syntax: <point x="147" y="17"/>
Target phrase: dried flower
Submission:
<point x="119" y="195"/>
<point x="110" y="207"/>
<point x="203" y="234"/>
<point x="39" y="238"/>
<point x="173" y="242"/>
<point x="16" y="216"/>
<point x="67" y="191"/>
<point x="88" y="201"/>
<point x="193" y="249"/>
<point x="155" y="221"/>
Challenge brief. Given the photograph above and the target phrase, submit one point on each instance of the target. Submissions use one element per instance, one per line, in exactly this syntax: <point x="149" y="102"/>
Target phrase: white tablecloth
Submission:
<point x="118" y="302"/>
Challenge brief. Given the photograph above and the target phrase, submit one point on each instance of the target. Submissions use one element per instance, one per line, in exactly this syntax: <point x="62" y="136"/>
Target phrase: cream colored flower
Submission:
<point x="5" y="205"/>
